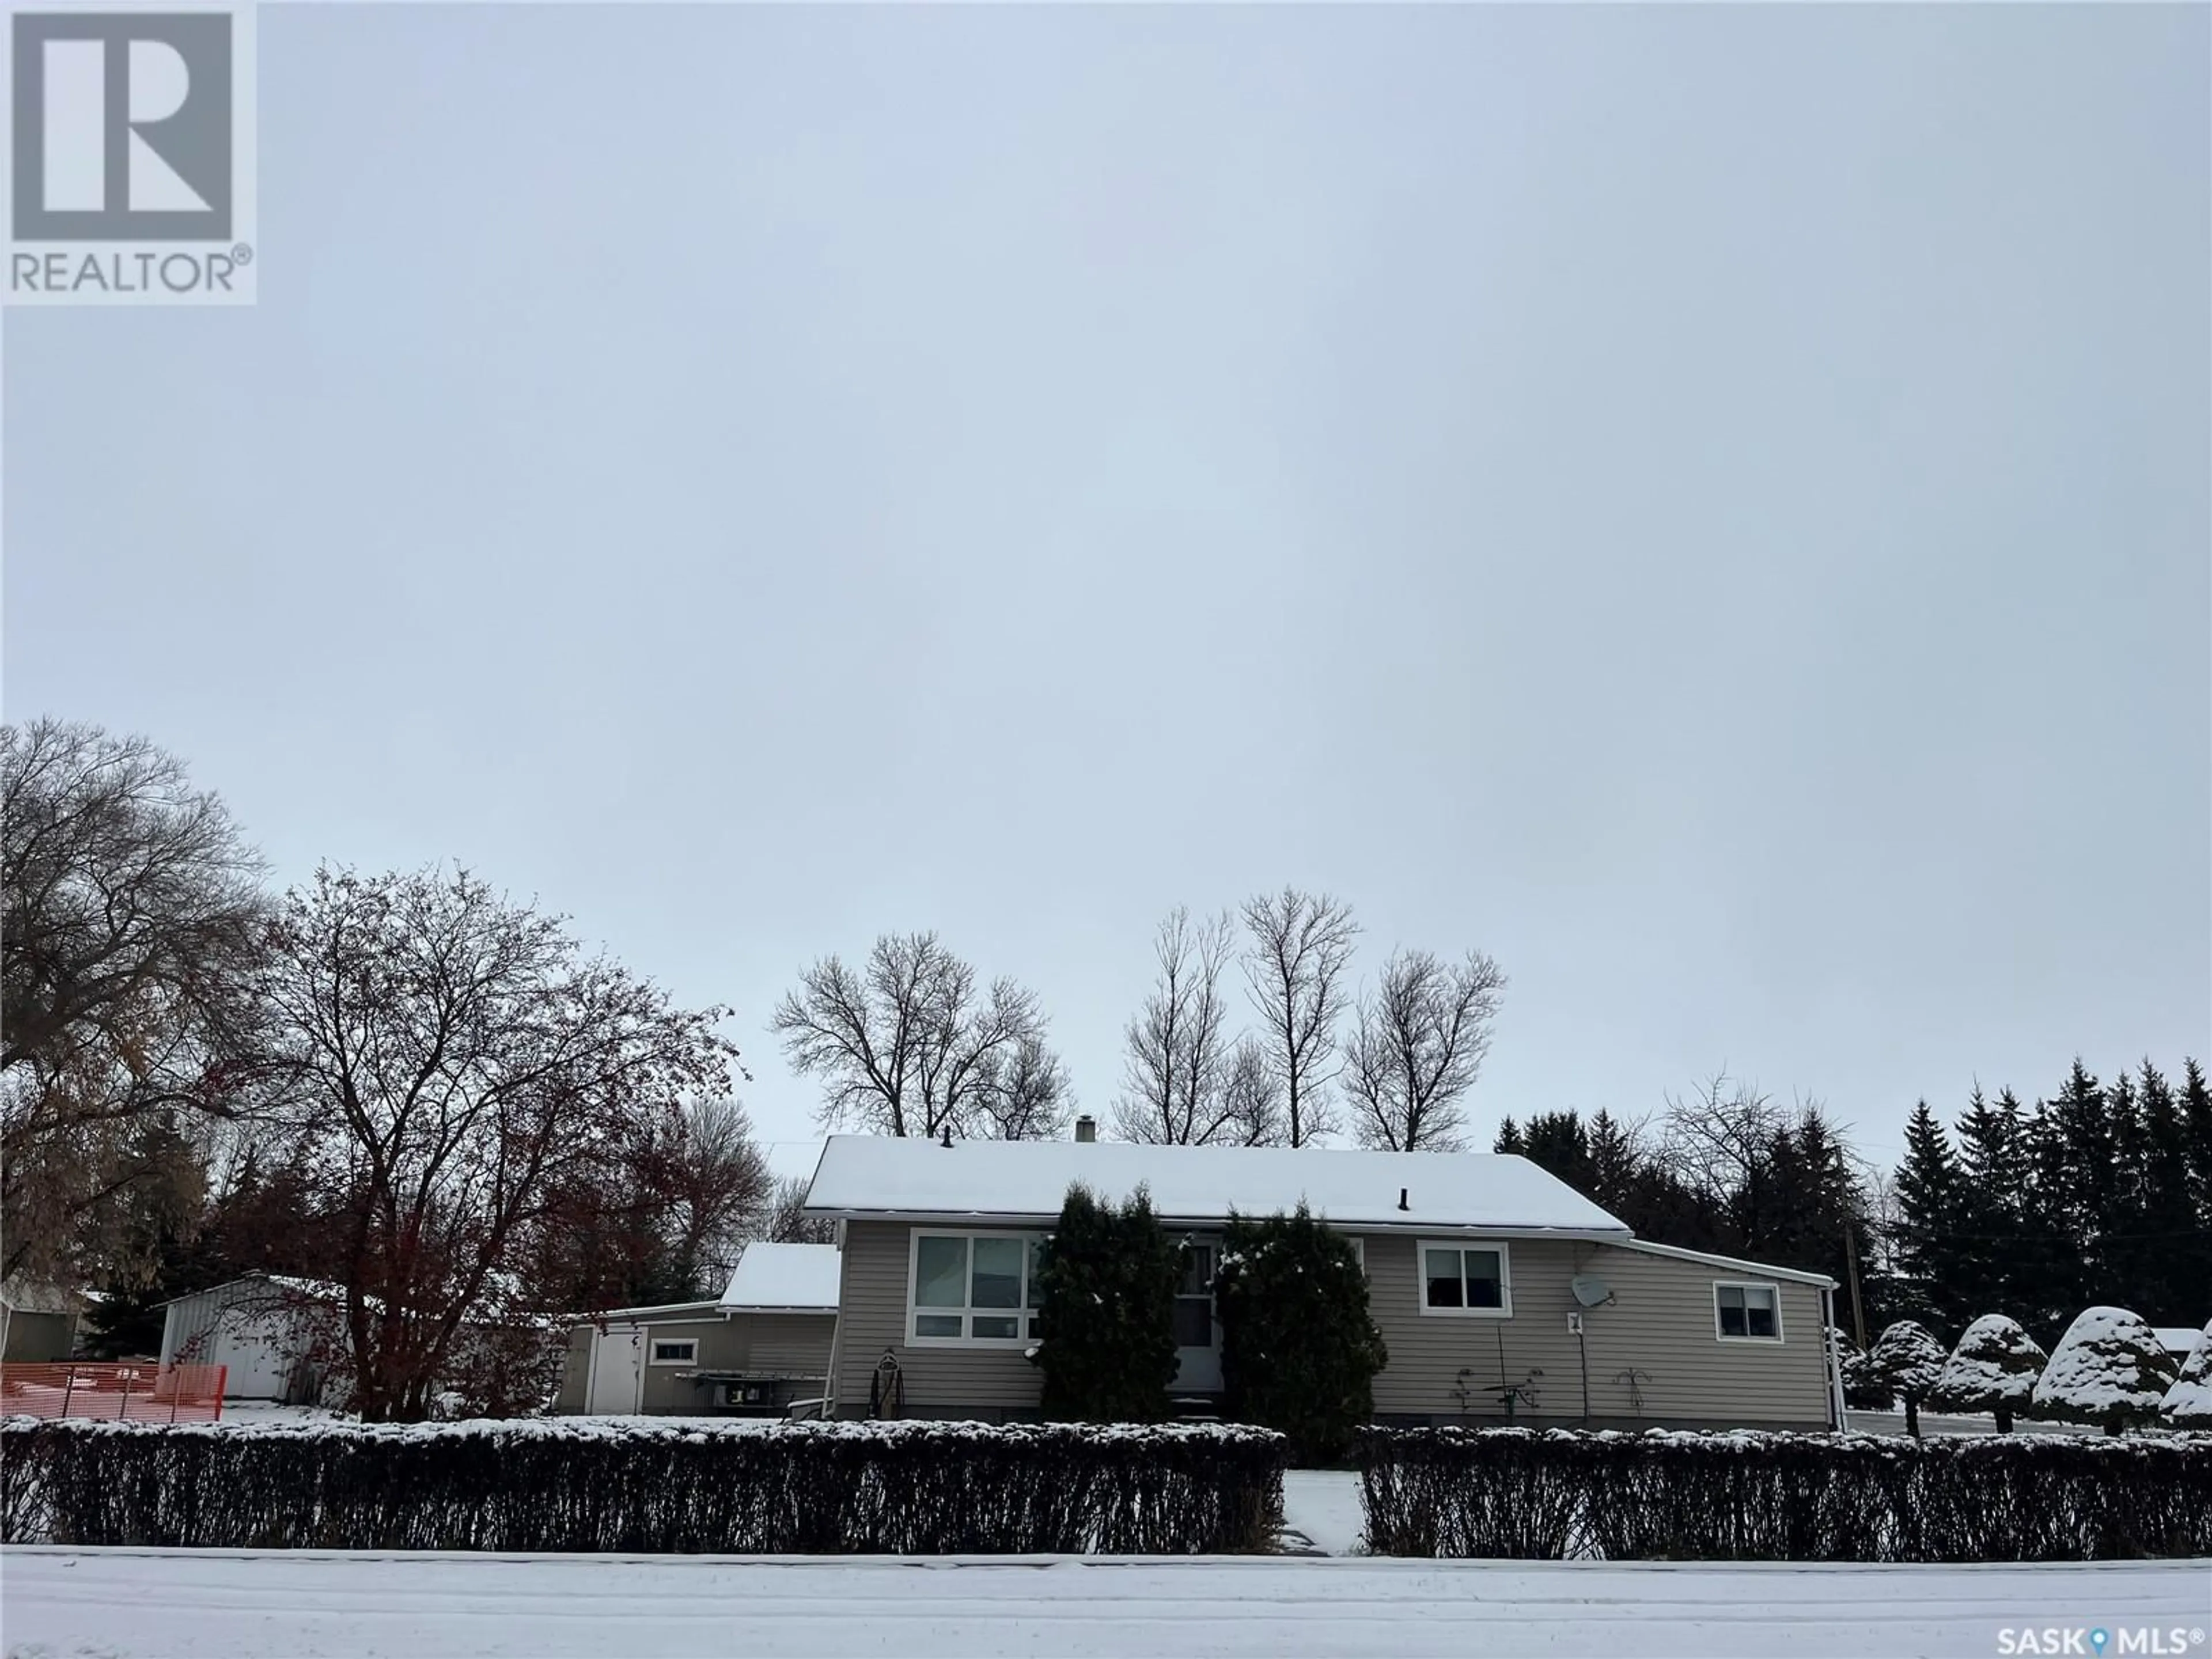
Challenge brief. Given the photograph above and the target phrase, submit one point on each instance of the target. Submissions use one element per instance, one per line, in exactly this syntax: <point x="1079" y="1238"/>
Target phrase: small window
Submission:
<point x="1466" y="1279"/>
<point x="1746" y="1313"/>
<point x="676" y="1350"/>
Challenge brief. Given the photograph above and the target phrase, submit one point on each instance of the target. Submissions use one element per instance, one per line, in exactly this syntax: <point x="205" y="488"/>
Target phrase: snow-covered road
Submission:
<point x="131" y="1605"/>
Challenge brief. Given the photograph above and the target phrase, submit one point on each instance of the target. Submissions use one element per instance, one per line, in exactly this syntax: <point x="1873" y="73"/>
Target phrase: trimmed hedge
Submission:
<point x="1662" y="1495"/>
<point x="908" y="1488"/>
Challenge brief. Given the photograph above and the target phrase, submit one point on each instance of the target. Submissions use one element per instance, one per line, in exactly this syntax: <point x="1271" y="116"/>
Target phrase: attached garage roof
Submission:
<point x="798" y="1277"/>
<point x="1027" y="1180"/>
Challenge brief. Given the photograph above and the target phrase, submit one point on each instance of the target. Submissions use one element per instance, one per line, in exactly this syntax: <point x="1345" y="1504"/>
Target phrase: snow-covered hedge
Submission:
<point x="1663" y="1495"/>
<point x="827" y="1488"/>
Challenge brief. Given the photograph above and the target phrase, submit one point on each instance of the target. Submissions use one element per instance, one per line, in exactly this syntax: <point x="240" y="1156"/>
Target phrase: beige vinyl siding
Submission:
<point x="988" y="1382"/>
<point x="1660" y="1323"/>
<point x="797" y="1345"/>
<point x="667" y="1387"/>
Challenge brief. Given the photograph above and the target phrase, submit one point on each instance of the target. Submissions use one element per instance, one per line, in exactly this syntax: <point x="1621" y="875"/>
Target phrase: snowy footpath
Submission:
<point x="119" y="1604"/>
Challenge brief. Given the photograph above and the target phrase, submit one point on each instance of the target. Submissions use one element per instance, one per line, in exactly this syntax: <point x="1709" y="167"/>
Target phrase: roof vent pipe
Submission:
<point x="947" y="1141"/>
<point x="1086" y="1128"/>
<point x="1401" y="1199"/>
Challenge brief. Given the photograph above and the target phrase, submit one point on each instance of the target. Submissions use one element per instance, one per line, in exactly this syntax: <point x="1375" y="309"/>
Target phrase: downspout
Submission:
<point x="837" y="1330"/>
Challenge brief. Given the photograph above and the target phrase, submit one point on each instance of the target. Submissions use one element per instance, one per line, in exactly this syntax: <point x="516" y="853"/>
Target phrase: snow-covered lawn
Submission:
<point x="1323" y="1506"/>
<point x="133" y="1605"/>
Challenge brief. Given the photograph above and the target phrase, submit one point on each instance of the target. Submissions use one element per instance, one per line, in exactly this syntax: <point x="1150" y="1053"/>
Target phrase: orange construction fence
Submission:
<point x="146" y="1394"/>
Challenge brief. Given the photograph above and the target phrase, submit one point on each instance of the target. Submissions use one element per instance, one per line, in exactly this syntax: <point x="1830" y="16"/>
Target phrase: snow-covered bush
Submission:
<point x="1865" y="1389"/>
<point x="2188" y="1403"/>
<point x="2109" y="1369"/>
<point x="1992" y="1370"/>
<point x="1299" y="1350"/>
<point x="1667" y="1495"/>
<point x="906" y="1488"/>
<point x="1908" y="1360"/>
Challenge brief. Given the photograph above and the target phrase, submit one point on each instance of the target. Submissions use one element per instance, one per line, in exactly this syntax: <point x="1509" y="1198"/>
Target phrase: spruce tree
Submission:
<point x="1105" y="1320"/>
<point x="2196" y="1133"/>
<point x="1557" y="1142"/>
<point x="1930" y="1203"/>
<point x="1994" y="1272"/>
<point x="1509" y="1138"/>
<point x="2173" y="1254"/>
<point x="2057" y="1235"/>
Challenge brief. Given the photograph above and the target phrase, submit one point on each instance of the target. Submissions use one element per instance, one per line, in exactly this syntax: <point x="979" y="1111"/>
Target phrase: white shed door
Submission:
<point x="618" y="1367"/>
<point x="256" y="1365"/>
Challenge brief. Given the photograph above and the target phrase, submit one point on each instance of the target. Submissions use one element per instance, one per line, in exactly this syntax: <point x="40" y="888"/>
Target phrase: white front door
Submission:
<point x="617" y="1368"/>
<point x="1197" y="1332"/>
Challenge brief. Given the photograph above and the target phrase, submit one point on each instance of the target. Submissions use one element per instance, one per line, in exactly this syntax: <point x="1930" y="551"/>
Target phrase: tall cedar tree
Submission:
<point x="1299" y="1350"/>
<point x="1105" y="1317"/>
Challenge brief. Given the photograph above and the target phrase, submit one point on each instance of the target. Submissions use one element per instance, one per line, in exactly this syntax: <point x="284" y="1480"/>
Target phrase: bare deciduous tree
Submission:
<point x="1716" y="1138"/>
<point x="1416" y="1048"/>
<point x="450" y="1061"/>
<point x="1175" y="1071"/>
<point x="907" y="1047"/>
<point x="709" y="1182"/>
<point x="1297" y="948"/>
<point x="132" y="920"/>
<point x="788" y="1221"/>
<point x="1251" y="1098"/>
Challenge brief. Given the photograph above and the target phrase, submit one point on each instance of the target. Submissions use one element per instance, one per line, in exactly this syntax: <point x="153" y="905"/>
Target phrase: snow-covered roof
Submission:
<point x="785" y="1276"/>
<point x="35" y="1296"/>
<point x="2176" y="1339"/>
<point x="1736" y="1264"/>
<point x="1027" y="1180"/>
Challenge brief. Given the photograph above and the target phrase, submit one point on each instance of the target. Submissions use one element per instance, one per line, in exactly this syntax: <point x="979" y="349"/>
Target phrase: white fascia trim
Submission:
<point x="1795" y="1275"/>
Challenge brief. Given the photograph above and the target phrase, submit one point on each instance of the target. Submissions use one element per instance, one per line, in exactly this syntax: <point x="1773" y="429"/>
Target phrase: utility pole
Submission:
<point x="1852" y="1261"/>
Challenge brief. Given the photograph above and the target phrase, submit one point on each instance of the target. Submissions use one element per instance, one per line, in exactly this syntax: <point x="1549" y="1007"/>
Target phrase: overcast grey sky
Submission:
<point x="1710" y="505"/>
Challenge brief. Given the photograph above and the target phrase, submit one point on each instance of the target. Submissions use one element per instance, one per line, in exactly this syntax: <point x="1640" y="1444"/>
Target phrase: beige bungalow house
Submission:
<point x="761" y="1349"/>
<point x="1489" y="1278"/>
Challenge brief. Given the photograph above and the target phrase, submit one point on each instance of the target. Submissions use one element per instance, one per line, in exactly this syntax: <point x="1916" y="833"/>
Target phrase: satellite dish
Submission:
<point x="1591" y="1291"/>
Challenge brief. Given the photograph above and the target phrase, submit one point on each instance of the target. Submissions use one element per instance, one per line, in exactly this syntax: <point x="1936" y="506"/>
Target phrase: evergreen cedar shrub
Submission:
<point x="908" y="1488"/>
<point x="2188" y="1403"/>
<point x="1666" y="1495"/>
<point x="1105" y="1316"/>
<point x="1299" y="1351"/>
<point x="1908" y="1360"/>
<point x="1992" y="1370"/>
<point x="2108" y="1370"/>
<point x="1865" y="1389"/>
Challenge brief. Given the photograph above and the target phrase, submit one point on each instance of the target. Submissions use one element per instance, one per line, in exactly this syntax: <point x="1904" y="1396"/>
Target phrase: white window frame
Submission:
<point x="1504" y="1308"/>
<point x="653" y="1345"/>
<point x="1771" y="1288"/>
<point x="1024" y="1316"/>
